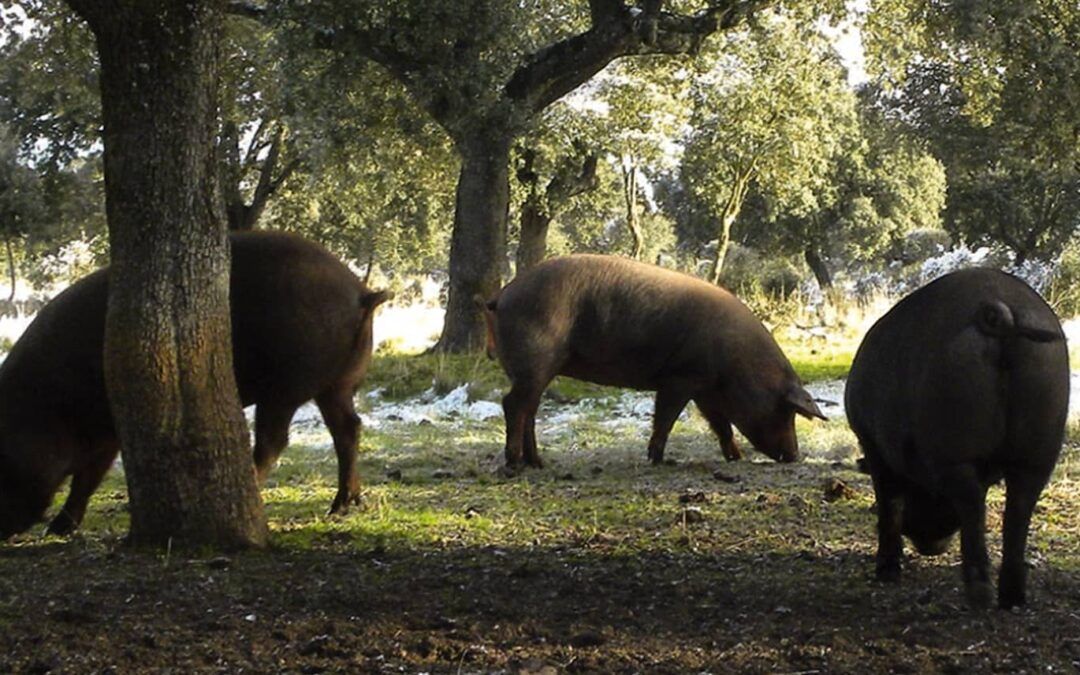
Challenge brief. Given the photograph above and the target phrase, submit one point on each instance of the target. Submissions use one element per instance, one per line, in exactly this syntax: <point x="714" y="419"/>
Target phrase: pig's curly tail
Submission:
<point x="996" y="319"/>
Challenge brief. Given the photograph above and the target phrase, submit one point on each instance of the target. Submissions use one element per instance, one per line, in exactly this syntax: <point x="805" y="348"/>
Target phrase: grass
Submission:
<point x="600" y="562"/>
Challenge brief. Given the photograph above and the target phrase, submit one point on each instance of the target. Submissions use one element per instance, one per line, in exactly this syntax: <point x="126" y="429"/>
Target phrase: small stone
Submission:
<point x="690" y="497"/>
<point x="219" y="563"/>
<point x="393" y="474"/>
<point x="836" y="489"/>
<point x="692" y="514"/>
<point x="587" y="639"/>
<point x="726" y="477"/>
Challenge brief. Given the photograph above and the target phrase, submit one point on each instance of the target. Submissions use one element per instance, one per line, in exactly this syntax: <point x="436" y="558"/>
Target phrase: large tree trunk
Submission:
<point x="739" y="187"/>
<point x="168" y="353"/>
<point x="723" y="243"/>
<point x="478" y="242"/>
<point x="633" y="224"/>
<point x="11" y="267"/>
<point x="532" y="244"/>
<point x="241" y="215"/>
<point x="819" y="268"/>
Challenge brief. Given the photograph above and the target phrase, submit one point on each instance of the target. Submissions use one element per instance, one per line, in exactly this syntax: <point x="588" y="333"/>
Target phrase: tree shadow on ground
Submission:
<point x="95" y="605"/>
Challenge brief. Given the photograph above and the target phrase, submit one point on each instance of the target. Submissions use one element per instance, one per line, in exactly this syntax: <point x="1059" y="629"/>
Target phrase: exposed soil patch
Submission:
<point x="470" y="572"/>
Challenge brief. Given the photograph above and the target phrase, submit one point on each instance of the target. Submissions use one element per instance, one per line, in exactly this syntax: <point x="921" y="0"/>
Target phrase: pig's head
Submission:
<point x="929" y="522"/>
<point x="770" y="425"/>
<point x="22" y="502"/>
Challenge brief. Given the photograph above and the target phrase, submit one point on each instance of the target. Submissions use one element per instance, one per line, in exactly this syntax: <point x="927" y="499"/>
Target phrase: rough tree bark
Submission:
<point x="630" y="195"/>
<point x="241" y="214"/>
<point x="11" y="267"/>
<point x="478" y="239"/>
<point x="541" y="206"/>
<point x="821" y="271"/>
<point x="740" y="185"/>
<point x="168" y="353"/>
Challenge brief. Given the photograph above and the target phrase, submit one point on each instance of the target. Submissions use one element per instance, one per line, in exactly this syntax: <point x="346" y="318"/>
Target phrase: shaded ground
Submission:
<point x="598" y="563"/>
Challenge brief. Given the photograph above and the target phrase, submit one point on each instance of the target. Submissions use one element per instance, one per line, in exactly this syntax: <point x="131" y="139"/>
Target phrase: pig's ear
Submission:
<point x="376" y="298"/>
<point x="803" y="403"/>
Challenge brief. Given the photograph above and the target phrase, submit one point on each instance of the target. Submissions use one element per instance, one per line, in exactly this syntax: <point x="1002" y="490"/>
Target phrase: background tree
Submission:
<point x="647" y="104"/>
<point x="49" y="104"/>
<point x="255" y="156"/>
<point x="771" y="110"/>
<point x="555" y="162"/>
<point x="994" y="87"/>
<point x="20" y="202"/>
<point x="484" y="71"/>
<point x="377" y="177"/>
<point x="168" y="349"/>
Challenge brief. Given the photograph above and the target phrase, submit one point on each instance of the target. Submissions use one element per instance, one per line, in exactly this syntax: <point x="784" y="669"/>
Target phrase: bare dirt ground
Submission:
<point x="598" y="563"/>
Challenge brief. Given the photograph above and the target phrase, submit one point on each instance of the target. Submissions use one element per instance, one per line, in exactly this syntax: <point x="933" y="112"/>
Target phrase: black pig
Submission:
<point x="615" y="321"/>
<point x="964" y="382"/>
<point x="301" y="325"/>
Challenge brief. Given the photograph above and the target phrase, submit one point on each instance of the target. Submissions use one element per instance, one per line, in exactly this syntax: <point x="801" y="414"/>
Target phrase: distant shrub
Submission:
<point x="746" y="271"/>
<point x="1063" y="288"/>
<point x="919" y="245"/>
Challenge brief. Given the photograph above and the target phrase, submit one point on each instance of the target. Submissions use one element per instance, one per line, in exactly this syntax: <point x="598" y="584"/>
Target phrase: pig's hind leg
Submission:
<point x="969" y="499"/>
<point x="519" y="407"/>
<point x="889" y="494"/>
<point x="532" y="451"/>
<point x="1022" y="487"/>
<point x="83" y="484"/>
<point x="339" y="413"/>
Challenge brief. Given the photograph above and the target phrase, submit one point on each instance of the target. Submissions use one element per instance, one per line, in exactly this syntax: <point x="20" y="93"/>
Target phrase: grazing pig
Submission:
<point x="618" y="322"/>
<point x="962" y="383"/>
<point x="301" y="330"/>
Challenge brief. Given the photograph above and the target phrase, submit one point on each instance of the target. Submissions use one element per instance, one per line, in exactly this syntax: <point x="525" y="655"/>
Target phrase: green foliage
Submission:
<point x="20" y="192"/>
<point x="993" y="86"/>
<point x="772" y="114"/>
<point x="1063" y="291"/>
<point x="749" y="273"/>
<point x="49" y="106"/>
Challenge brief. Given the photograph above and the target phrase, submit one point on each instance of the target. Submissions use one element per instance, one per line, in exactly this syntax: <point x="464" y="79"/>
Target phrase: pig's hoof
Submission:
<point x="1007" y="599"/>
<point x="1011" y="588"/>
<point x="341" y="504"/>
<point x="979" y="594"/>
<point x="510" y="470"/>
<point x="888" y="571"/>
<point x="62" y="525"/>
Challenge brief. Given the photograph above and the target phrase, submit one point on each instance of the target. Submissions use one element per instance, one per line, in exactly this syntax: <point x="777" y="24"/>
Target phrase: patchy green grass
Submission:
<point x="599" y="562"/>
<point x="816" y="362"/>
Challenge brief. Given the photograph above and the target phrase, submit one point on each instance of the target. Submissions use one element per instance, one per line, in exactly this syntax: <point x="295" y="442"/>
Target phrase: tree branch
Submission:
<point x="255" y="146"/>
<point x="569" y="183"/>
<point x="618" y="30"/>
<point x="244" y="8"/>
<point x="93" y="12"/>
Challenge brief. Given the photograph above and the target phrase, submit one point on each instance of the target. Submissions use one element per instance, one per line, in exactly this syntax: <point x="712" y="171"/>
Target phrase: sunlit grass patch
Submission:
<point x="817" y="362"/>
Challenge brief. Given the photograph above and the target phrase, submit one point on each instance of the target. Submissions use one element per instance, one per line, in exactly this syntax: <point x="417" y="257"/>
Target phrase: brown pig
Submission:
<point x="614" y="321"/>
<point x="301" y="325"/>
<point x="964" y="382"/>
